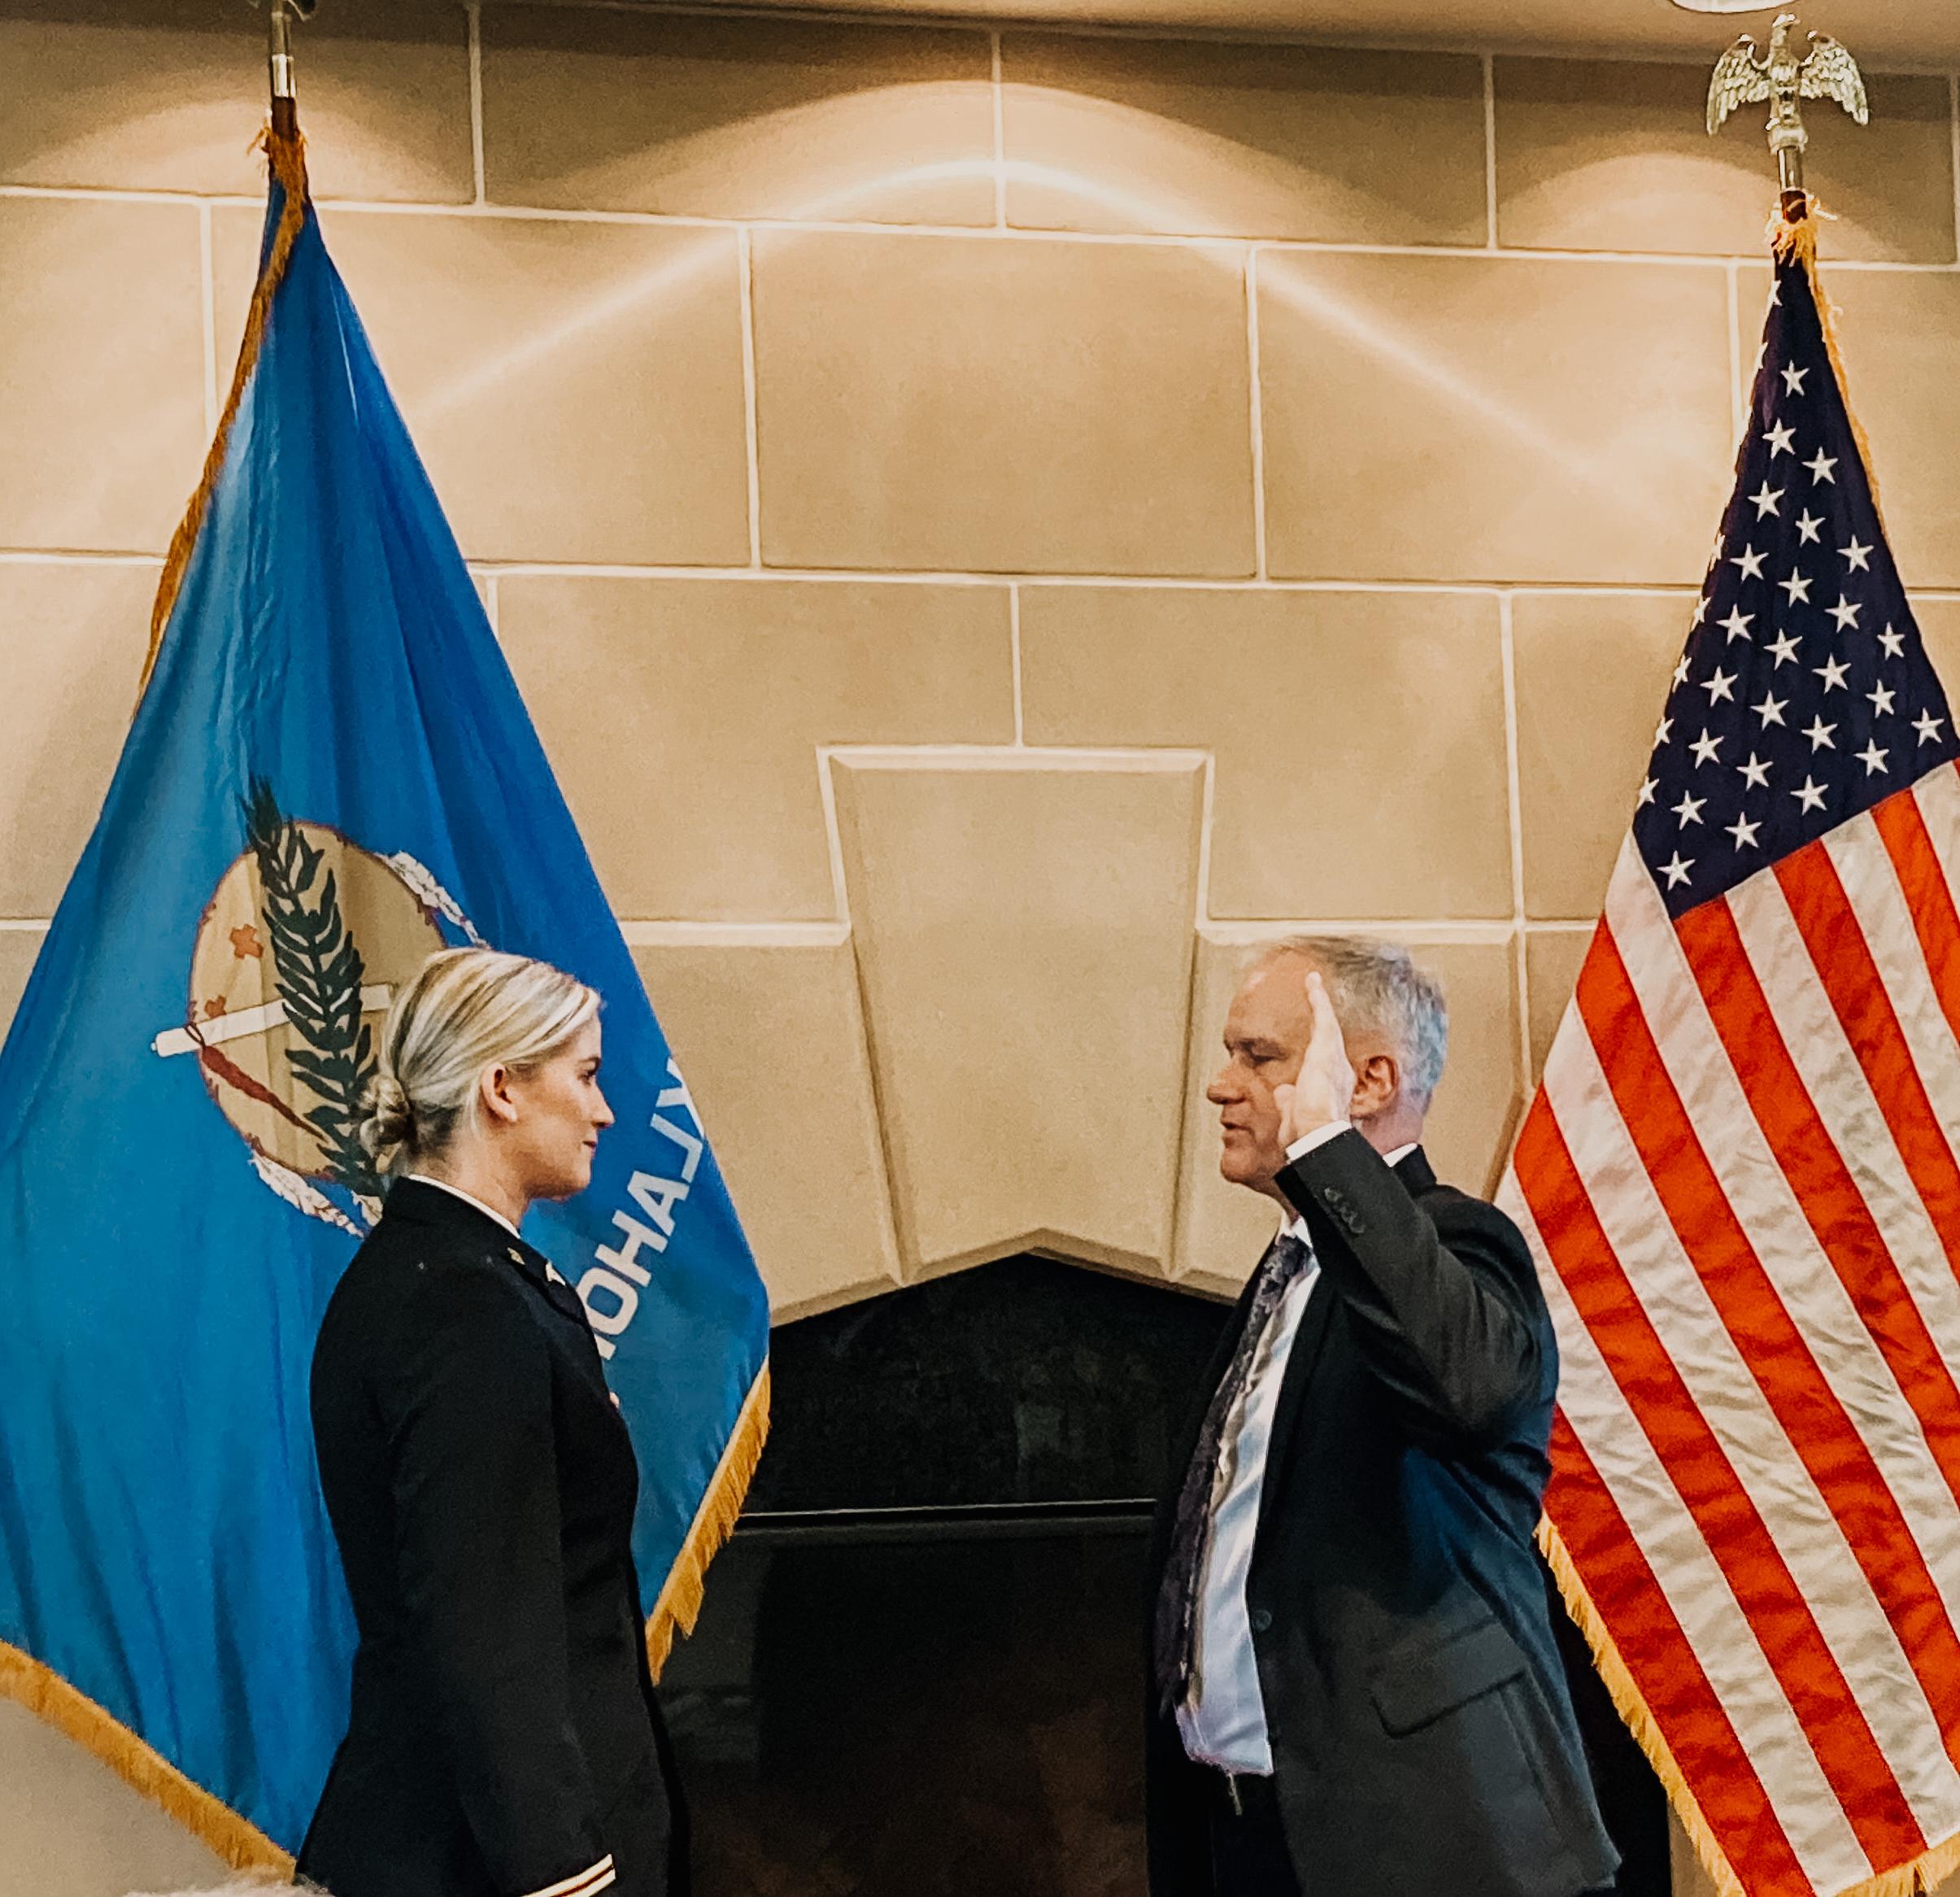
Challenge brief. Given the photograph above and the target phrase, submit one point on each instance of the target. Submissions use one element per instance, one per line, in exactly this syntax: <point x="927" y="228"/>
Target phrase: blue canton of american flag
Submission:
<point x="1741" y="1179"/>
<point x="1804" y="695"/>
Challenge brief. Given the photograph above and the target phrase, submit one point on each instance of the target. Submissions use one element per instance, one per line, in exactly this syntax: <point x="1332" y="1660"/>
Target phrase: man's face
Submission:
<point x="1266" y="1034"/>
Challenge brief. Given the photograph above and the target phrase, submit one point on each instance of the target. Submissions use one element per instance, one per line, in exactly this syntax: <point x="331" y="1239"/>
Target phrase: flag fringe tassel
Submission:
<point x="1914" y="1879"/>
<point x="287" y="159"/>
<point x="50" y="1698"/>
<point x="1632" y="1708"/>
<point x="679" y="1605"/>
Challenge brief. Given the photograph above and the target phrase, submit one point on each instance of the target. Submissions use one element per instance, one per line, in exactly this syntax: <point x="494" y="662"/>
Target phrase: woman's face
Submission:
<point x="560" y="1113"/>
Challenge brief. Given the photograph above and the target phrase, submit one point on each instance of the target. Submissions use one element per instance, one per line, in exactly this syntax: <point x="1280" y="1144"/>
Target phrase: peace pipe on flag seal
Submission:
<point x="330" y="775"/>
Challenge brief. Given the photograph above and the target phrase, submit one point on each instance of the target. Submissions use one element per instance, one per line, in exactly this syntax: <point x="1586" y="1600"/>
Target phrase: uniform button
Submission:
<point x="1261" y="1621"/>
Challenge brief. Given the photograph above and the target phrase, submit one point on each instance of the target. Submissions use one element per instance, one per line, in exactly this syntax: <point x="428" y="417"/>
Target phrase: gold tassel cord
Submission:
<point x="50" y="1698"/>
<point x="679" y="1605"/>
<point x="1797" y="239"/>
<point x="288" y="163"/>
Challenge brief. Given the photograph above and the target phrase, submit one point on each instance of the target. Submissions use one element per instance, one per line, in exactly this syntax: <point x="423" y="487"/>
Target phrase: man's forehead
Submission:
<point x="1272" y="994"/>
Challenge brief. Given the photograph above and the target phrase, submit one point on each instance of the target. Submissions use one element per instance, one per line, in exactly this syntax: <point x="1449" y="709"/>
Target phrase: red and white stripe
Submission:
<point x="594" y="1878"/>
<point x="1741" y="1183"/>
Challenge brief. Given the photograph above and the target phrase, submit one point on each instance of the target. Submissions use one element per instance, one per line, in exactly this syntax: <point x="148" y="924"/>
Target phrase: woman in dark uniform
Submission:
<point x="504" y="1739"/>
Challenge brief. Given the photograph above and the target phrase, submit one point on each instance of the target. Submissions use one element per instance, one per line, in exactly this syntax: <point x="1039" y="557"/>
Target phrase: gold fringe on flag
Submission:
<point x="288" y="161"/>
<point x="1631" y="1707"/>
<point x="679" y="1605"/>
<point x="1915" y="1879"/>
<point x="50" y="1698"/>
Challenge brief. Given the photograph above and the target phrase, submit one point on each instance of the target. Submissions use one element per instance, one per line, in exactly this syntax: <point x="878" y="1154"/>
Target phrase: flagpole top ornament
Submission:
<point x="279" y="15"/>
<point x="1743" y="77"/>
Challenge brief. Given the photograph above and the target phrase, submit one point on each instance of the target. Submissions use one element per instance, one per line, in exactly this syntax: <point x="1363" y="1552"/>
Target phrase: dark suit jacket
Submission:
<point x="504" y="1737"/>
<point x="1423" y="1743"/>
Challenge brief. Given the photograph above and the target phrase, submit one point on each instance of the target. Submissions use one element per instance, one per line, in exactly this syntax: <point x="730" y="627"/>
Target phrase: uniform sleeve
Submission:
<point x="475" y="1481"/>
<point x="1452" y="1330"/>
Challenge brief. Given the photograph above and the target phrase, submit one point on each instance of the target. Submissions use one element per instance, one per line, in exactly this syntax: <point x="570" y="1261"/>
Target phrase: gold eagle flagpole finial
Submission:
<point x="1827" y="71"/>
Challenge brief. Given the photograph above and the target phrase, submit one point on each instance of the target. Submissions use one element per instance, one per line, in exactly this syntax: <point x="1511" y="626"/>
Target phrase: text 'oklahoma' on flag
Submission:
<point x="1740" y="1177"/>
<point x="330" y="776"/>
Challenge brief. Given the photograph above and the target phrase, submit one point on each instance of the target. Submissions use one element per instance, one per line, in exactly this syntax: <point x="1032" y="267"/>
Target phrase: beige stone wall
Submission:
<point x="988" y="525"/>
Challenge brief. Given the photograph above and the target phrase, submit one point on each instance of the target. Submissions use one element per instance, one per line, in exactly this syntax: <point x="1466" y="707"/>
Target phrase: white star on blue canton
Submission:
<point x="1857" y="555"/>
<point x="1689" y="808"/>
<point x="1872" y="758"/>
<point x="1744" y="832"/>
<point x="1782" y="442"/>
<point x="1819" y="735"/>
<point x="1796" y="586"/>
<point x="1755" y="774"/>
<point x="1738" y="623"/>
<point x="1767" y="499"/>
<point x="1705" y="748"/>
<point x="1662" y="732"/>
<point x="1676" y="872"/>
<point x="1881" y="697"/>
<point x="1844" y="612"/>
<point x="1793" y="379"/>
<point x="1681" y="670"/>
<point x="1807" y="525"/>
<point x="1784" y="646"/>
<point x="1832" y="672"/>
<point x="1720" y="687"/>
<point x="1927" y="726"/>
<point x="1811" y="797"/>
<point x="1647" y="791"/>
<point x="1894" y="643"/>
<point x="1750" y="561"/>
<point x="1700" y="610"/>
<point x="1820" y="469"/>
<point x="1771" y="710"/>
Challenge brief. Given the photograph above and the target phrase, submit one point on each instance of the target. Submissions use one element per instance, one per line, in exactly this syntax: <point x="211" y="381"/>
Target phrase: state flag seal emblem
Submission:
<point x="298" y="953"/>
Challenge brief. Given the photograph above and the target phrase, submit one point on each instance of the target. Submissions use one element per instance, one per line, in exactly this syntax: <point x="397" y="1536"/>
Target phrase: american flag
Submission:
<point x="1740" y="1180"/>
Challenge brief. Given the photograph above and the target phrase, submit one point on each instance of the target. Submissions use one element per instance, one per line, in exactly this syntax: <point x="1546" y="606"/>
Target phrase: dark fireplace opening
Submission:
<point x="919" y="1670"/>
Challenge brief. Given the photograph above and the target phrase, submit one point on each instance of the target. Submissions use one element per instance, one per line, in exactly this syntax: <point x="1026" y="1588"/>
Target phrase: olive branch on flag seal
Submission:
<point x="319" y="971"/>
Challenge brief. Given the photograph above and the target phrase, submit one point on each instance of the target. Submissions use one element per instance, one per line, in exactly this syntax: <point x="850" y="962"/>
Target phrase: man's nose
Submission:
<point x="1223" y="1090"/>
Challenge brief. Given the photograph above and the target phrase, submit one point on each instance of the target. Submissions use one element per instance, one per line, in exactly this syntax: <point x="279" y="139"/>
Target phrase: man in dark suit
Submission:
<point x="1355" y="1688"/>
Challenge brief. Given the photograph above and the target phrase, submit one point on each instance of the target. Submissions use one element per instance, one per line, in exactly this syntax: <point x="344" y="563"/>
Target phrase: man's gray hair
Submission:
<point x="1376" y="985"/>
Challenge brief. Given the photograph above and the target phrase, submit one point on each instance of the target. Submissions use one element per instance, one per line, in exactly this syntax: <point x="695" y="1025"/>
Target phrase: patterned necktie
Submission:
<point x="1177" y="1605"/>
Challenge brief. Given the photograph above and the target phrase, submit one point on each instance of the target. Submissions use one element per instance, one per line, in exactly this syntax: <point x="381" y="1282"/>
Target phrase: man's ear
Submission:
<point x="1376" y="1083"/>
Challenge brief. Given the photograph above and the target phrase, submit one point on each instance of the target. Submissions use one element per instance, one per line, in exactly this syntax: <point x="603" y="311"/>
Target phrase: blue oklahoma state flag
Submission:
<point x="330" y="775"/>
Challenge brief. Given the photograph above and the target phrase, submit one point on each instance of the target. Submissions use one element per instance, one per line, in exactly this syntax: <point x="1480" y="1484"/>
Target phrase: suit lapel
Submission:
<point x="1309" y="1342"/>
<point x="1416" y="1176"/>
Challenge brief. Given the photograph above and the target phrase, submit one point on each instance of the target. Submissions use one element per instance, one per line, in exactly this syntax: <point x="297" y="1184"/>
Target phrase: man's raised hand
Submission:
<point x="1323" y="1092"/>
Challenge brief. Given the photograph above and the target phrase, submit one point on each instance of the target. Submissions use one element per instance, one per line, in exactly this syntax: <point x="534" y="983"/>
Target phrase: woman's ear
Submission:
<point x="494" y="1096"/>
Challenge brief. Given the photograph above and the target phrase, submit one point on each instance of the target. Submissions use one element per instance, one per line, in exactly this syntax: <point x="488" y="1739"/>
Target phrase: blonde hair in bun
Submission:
<point x="466" y="1011"/>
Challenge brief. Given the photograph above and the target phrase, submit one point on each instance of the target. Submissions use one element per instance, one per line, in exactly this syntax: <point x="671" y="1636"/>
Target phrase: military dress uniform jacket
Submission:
<point x="504" y="1739"/>
<point x="1423" y="1741"/>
